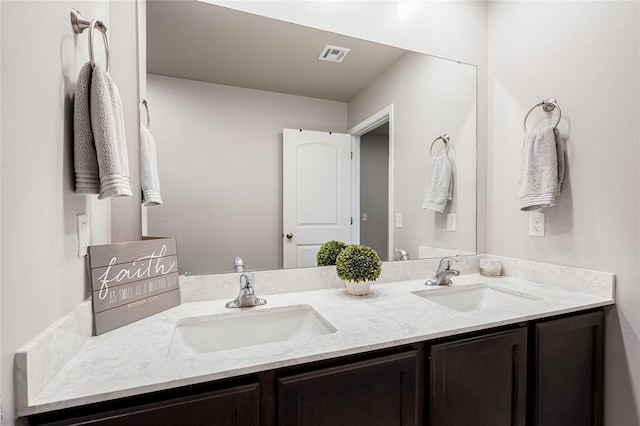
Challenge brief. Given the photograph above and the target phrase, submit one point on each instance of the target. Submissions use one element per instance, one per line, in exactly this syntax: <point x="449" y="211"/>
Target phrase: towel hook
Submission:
<point x="547" y="105"/>
<point x="145" y="104"/>
<point x="445" y="141"/>
<point x="79" y="23"/>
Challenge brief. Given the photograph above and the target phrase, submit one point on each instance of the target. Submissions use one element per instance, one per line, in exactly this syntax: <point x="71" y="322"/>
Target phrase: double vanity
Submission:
<point x="505" y="349"/>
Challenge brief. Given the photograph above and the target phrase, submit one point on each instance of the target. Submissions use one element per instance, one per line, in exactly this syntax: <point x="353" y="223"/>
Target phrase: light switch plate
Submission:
<point x="398" y="220"/>
<point x="83" y="234"/>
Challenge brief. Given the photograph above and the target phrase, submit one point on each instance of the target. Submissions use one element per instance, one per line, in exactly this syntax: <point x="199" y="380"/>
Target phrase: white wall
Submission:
<point x="227" y="141"/>
<point x="430" y="97"/>
<point x="42" y="277"/>
<point x="447" y="29"/>
<point x="586" y="55"/>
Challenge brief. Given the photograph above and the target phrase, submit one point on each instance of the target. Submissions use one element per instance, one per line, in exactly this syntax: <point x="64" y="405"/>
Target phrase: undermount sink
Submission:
<point x="205" y="334"/>
<point x="474" y="297"/>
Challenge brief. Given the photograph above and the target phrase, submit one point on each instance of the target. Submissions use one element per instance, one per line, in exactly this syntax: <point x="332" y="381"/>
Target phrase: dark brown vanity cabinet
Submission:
<point x="567" y="384"/>
<point x="547" y="373"/>
<point x="539" y="373"/>
<point x="380" y="391"/>
<point x="479" y="381"/>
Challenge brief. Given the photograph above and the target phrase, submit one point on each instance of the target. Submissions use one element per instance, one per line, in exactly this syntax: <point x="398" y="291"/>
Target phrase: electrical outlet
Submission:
<point x="536" y="224"/>
<point x="398" y="220"/>
<point x="451" y="222"/>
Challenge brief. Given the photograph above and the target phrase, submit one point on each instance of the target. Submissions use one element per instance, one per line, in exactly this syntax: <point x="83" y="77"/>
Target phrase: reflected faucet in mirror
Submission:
<point x="238" y="264"/>
<point x="401" y="255"/>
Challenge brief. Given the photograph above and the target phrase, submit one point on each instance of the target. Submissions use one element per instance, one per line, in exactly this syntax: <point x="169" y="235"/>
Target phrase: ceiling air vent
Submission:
<point x="333" y="53"/>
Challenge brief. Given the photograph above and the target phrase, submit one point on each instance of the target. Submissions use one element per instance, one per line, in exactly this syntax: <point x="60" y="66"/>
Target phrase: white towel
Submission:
<point x="542" y="169"/>
<point x="440" y="189"/>
<point x="85" y="160"/>
<point x="100" y="149"/>
<point x="149" y="180"/>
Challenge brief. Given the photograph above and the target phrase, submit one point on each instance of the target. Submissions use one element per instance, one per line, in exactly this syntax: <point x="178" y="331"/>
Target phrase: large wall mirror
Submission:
<point x="255" y="135"/>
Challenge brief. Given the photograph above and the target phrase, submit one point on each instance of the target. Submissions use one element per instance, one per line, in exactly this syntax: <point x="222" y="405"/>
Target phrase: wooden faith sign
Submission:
<point x="131" y="281"/>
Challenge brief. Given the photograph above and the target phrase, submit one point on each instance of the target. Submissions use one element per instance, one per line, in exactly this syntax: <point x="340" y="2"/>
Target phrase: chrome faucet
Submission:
<point x="401" y="255"/>
<point x="247" y="296"/>
<point x="238" y="265"/>
<point x="444" y="273"/>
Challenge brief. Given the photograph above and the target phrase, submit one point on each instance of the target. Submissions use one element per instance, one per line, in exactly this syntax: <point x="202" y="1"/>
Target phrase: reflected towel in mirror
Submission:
<point x="440" y="188"/>
<point x="149" y="180"/>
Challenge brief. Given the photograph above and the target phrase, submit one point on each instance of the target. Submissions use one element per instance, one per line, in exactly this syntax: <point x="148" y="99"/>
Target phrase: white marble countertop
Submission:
<point x="134" y="359"/>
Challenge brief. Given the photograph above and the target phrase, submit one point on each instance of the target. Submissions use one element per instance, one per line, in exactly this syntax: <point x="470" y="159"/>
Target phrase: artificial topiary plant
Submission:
<point x="329" y="251"/>
<point x="358" y="263"/>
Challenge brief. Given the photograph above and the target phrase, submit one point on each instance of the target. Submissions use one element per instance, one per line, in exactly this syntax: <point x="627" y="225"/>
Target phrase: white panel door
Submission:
<point x="316" y="197"/>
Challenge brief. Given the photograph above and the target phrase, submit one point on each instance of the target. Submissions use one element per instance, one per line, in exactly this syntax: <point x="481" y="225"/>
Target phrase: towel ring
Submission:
<point x="145" y="104"/>
<point x="547" y="106"/>
<point x="445" y="141"/>
<point x="95" y="23"/>
<point x="79" y="23"/>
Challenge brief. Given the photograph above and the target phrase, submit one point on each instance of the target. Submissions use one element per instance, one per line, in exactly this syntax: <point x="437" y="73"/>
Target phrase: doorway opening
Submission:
<point x="372" y="182"/>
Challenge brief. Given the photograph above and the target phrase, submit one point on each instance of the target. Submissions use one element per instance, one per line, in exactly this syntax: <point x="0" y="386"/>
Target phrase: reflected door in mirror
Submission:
<point x="316" y="199"/>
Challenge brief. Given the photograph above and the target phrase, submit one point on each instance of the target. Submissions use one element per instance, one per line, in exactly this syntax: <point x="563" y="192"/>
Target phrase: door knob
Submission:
<point x="289" y="236"/>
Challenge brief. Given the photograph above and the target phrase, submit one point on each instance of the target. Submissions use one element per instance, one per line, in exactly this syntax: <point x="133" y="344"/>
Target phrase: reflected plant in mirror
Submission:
<point x="329" y="251"/>
<point x="266" y="151"/>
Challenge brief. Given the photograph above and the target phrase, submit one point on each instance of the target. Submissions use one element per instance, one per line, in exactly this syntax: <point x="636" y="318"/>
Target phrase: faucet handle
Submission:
<point x="445" y="262"/>
<point x="247" y="279"/>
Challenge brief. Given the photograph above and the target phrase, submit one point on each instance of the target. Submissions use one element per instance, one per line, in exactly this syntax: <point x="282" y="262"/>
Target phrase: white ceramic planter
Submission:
<point x="358" y="289"/>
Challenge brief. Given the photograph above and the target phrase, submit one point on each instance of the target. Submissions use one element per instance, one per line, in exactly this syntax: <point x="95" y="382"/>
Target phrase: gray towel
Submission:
<point x="542" y="169"/>
<point x="561" y="153"/>
<point x="107" y="123"/>
<point x="85" y="160"/>
<point x="149" y="180"/>
<point x="440" y="189"/>
<point x="100" y="149"/>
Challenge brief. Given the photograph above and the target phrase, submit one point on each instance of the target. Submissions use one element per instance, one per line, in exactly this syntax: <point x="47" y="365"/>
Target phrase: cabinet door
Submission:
<point x="569" y="371"/>
<point x="237" y="406"/>
<point x="376" y="392"/>
<point x="479" y="381"/>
